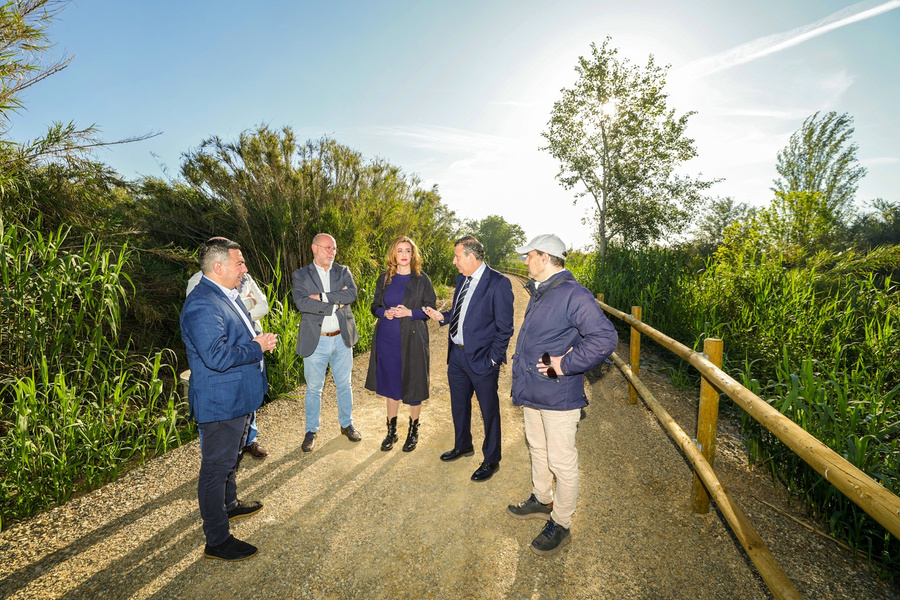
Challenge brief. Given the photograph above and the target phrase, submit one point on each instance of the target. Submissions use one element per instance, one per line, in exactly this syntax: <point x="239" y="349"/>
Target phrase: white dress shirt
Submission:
<point x="330" y="323"/>
<point x="476" y="277"/>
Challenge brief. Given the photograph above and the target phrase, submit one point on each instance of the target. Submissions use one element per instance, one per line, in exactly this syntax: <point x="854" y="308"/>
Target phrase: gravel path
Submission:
<point x="350" y="521"/>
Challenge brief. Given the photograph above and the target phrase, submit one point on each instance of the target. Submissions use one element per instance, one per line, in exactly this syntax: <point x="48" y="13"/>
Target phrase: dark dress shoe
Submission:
<point x="309" y="441"/>
<point x="231" y="549"/>
<point x="485" y="471"/>
<point x="255" y="450"/>
<point x="351" y="433"/>
<point x="454" y="454"/>
<point x="245" y="509"/>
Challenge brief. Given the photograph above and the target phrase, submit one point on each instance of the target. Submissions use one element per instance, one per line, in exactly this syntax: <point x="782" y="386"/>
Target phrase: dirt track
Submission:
<point x="350" y="521"/>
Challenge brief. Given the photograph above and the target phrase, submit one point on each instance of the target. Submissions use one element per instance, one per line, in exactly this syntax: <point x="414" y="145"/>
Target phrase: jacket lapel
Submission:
<point x="234" y="309"/>
<point x="481" y="288"/>
<point x="334" y="277"/>
<point x="314" y="275"/>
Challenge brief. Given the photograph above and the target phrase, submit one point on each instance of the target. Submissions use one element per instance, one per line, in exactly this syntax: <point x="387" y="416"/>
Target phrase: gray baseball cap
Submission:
<point x="547" y="243"/>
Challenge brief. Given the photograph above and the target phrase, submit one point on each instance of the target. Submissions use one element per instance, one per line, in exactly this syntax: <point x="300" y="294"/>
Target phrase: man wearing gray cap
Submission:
<point x="563" y="335"/>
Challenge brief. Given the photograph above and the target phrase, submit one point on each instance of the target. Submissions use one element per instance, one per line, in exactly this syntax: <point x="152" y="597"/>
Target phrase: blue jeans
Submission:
<point x="331" y="350"/>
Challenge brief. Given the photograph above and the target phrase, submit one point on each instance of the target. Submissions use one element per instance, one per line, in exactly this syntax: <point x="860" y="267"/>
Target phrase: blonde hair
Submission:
<point x="415" y="261"/>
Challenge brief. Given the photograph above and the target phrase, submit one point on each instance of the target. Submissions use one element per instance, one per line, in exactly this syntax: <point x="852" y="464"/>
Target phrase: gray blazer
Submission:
<point x="305" y="282"/>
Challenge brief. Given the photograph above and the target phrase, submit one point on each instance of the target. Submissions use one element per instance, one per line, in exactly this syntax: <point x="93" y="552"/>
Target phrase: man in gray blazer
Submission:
<point x="323" y="292"/>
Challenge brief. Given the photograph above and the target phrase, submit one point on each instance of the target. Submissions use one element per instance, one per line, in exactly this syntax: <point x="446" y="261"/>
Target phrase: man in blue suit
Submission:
<point x="481" y="324"/>
<point x="228" y="382"/>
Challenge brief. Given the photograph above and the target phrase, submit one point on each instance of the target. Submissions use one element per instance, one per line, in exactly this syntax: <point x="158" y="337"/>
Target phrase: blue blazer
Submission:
<point x="489" y="321"/>
<point x="226" y="381"/>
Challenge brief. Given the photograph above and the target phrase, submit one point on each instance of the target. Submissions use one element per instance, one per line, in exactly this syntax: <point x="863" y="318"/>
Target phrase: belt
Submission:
<point x="460" y="346"/>
<point x="332" y="334"/>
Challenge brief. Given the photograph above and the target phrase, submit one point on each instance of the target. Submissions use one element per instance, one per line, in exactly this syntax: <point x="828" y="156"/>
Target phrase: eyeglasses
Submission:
<point x="546" y="360"/>
<point x="327" y="248"/>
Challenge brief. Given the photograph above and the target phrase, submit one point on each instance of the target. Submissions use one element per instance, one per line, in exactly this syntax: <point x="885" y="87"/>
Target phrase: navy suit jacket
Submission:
<point x="226" y="381"/>
<point x="489" y="321"/>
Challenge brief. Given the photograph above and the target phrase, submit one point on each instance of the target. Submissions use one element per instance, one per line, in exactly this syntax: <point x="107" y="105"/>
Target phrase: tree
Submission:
<point x="615" y="137"/>
<point x="499" y="238"/>
<point x="881" y="227"/>
<point x="717" y="216"/>
<point x="821" y="158"/>
<point x="800" y="219"/>
<point x="23" y="40"/>
<point x="273" y="194"/>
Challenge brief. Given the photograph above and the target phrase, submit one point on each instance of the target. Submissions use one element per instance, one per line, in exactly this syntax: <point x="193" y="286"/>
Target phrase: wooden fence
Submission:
<point x="877" y="501"/>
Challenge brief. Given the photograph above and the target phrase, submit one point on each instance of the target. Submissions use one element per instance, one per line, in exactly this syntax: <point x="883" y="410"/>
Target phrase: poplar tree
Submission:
<point x="821" y="158"/>
<point x="618" y="142"/>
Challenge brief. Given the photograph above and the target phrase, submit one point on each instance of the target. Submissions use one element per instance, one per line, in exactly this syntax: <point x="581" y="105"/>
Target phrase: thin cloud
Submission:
<point x="880" y="160"/>
<point x="781" y="41"/>
<point x="445" y="139"/>
<point x="762" y="113"/>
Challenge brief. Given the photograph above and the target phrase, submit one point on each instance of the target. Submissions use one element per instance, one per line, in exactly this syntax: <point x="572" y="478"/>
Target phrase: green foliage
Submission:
<point x="617" y="141"/>
<point x="803" y="220"/>
<point x="821" y="158"/>
<point x="23" y="24"/>
<point x="717" y="216"/>
<point x="75" y="403"/>
<point x="283" y="367"/>
<point x="273" y="195"/>
<point x="822" y="331"/>
<point x="849" y="412"/>
<point x="499" y="238"/>
<point x="878" y="227"/>
<point x="650" y="278"/>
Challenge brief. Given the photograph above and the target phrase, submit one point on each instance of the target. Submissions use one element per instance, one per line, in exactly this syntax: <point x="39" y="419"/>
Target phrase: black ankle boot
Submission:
<point x="391" y="437"/>
<point x="412" y="438"/>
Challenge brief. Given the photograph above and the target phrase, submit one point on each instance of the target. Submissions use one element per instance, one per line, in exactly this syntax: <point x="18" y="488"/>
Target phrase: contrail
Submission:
<point x="781" y="41"/>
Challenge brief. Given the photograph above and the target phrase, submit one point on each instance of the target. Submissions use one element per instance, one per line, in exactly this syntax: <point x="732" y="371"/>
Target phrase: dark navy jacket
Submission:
<point x="489" y="321"/>
<point x="560" y="317"/>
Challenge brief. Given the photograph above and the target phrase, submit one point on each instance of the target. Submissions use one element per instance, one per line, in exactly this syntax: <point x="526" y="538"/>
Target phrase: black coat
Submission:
<point x="414" y="353"/>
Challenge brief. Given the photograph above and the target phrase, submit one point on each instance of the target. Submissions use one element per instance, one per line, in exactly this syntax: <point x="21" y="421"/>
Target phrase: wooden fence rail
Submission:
<point x="876" y="500"/>
<point x="776" y="579"/>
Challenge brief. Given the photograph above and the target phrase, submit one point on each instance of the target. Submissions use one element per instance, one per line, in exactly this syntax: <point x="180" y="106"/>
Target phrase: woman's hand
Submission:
<point x="397" y="312"/>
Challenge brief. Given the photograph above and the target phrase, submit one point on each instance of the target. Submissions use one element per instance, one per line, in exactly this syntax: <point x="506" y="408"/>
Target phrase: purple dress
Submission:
<point x="388" y="365"/>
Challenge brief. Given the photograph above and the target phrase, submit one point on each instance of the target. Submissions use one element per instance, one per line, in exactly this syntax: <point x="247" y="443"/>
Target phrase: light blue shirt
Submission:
<point x="476" y="277"/>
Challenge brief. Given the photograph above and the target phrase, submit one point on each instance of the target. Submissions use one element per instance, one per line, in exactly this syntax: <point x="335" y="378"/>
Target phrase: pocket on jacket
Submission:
<point x="225" y="378"/>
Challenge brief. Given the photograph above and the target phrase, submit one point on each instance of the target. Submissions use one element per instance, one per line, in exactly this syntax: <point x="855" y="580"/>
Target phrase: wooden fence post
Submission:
<point x="707" y="422"/>
<point x="635" y="347"/>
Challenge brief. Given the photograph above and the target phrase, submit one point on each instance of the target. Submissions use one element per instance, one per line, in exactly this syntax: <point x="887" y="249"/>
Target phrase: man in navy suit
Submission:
<point x="481" y="323"/>
<point x="228" y="382"/>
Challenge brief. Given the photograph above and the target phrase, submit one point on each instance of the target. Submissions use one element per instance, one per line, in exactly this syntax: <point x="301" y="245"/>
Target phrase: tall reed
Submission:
<point x="77" y="403"/>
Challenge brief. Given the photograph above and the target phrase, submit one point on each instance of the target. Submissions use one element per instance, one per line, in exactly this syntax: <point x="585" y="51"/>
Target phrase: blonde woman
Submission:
<point x="399" y="361"/>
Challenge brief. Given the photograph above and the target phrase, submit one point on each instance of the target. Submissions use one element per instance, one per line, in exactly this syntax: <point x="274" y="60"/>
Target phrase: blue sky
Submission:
<point x="459" y="91"/>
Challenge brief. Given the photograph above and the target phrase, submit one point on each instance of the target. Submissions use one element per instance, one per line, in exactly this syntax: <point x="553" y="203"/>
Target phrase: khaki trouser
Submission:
<point x="551" y="439"/>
